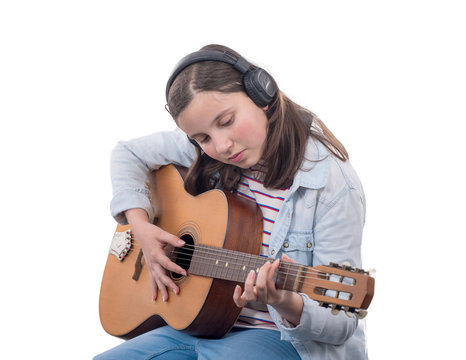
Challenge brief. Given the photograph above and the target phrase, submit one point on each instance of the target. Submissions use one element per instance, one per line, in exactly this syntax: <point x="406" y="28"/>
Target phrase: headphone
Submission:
<point x="257" y="83"/>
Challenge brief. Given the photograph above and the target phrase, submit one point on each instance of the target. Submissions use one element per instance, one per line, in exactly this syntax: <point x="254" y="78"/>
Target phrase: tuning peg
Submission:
<point x="347" y="266"/>
<point x="323" y="304"/>
<point x="349" y="311"/>
<point x="335" y="265"/>
<point x="361" y="314"/>
<point x="335" y="309"/>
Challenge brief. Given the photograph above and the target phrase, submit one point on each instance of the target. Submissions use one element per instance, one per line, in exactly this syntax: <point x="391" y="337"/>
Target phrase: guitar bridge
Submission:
<point x="121" y="245"/>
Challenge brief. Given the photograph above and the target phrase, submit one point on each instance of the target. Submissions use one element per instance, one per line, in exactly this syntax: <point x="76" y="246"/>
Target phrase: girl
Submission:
<point x="238" y="131"/>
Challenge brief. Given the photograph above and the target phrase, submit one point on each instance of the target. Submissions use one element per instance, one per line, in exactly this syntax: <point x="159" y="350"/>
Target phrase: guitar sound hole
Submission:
<point x="182" y="256"/>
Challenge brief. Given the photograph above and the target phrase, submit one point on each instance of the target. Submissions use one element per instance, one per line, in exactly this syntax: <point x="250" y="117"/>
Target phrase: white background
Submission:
<point x="387" y="77"/>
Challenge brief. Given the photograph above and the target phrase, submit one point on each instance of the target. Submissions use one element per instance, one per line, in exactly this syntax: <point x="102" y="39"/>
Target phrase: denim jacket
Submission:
<point x="320" y="221"/>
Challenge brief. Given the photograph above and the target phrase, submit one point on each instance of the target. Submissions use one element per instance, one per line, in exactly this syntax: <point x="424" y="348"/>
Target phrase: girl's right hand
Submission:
<point x="153" y="241"/>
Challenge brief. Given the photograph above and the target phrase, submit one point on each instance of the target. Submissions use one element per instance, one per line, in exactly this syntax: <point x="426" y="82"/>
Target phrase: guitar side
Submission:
<point x="213" y="218"/>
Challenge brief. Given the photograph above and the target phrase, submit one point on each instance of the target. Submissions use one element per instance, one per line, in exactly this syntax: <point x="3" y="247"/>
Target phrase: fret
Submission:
<point x="210" y="261"/>
<point x="194" y="266"/>
<point x="257" y="265"/>
<point x="239" y="265"/>
<point x="223" y="263"/>
<point x="218" y="264"/>
<point x="219" y="260"/>
<point x="229" y="265"/>
<point x="282" y="275"/>
<point x="212" y="258"/>
<point x="300" y="278"/>
<point x="288" y="275"/>
<point x="248" y="268"/>
<point x="196" y="263"/>
<point x="237" y="260"/>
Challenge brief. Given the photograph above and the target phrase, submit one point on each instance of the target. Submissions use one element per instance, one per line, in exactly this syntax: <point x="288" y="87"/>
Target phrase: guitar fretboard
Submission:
<point x="235" y="266"/>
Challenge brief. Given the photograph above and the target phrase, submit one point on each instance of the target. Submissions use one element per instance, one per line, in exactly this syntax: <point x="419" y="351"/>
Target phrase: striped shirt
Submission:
<point x="270" y="202"/>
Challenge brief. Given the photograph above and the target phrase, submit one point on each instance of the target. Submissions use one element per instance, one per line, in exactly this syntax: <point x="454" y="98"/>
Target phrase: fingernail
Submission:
<point x="181" y="242"/>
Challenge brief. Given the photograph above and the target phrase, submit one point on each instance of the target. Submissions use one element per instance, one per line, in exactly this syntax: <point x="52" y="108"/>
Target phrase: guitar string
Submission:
<point x="339" y="294"/>
<point x="204" y="249"/>
<point x="293" y="267"/>
<point x="254" y="258"/>
<point x="293" y="270"/>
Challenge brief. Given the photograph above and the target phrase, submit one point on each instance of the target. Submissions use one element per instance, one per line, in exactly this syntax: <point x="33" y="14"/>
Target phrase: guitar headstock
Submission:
<point x="340" y="287"/>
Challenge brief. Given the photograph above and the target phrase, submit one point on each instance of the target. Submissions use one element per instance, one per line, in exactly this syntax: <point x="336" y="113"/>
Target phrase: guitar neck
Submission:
<point x="341" y="286"/>
<point x="235" y="266"/>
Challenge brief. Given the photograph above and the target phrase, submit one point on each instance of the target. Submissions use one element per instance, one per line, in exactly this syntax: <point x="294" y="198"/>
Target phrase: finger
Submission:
<point x="249" y="289"/>
<point x="171" y="239"/>
<point x="237" y="297"/>
<point x="154" y="289"/>
<point x="163" y="278"/>
<point x="164" y="261"/>
<point x="163" y="290"/>
<point x="261" y="282"/>
<point x="271" y="275"/>
<point x="287" y="258"/>
<point x="274" y="266"/>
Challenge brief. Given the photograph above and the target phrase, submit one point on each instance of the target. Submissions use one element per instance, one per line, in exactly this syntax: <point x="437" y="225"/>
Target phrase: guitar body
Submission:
<point x="213" y="218"/>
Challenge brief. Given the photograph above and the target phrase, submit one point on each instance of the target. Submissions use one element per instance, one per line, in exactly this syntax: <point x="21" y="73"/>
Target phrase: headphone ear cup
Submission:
<point x="259" y="86"/>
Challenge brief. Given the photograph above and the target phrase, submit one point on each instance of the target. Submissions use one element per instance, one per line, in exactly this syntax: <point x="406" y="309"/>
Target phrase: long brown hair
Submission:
<point x="289" y="126"/>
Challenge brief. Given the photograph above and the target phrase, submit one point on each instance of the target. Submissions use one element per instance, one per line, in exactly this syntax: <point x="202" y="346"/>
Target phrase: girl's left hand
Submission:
<point x="264" y="291"/>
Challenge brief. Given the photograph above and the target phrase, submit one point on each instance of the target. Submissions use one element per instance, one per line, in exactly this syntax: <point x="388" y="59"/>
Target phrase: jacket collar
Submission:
<point x="314" y="170"/>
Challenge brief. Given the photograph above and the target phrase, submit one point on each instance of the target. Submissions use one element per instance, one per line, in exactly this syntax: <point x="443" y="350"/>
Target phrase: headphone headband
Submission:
<point x="257" y="82"/>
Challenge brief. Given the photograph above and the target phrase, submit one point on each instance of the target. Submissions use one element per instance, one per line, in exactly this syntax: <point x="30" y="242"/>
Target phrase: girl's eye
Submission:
<point x="204" y="139"/>
<point x="227" y="122"/>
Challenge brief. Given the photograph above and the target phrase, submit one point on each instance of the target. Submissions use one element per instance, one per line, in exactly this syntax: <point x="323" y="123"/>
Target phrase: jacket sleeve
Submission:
<point x="337" y="234"/>
<point x="132" y="161"/>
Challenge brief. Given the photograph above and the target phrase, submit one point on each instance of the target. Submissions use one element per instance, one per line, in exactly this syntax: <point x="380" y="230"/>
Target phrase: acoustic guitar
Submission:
<point x="223" y="235"/>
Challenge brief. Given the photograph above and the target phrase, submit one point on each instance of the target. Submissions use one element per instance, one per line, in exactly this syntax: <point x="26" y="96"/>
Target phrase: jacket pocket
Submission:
<point x="299" y="246"/>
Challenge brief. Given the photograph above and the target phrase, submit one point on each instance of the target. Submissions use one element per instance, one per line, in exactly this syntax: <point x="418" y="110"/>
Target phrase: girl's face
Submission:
<point x="230" y="127"/>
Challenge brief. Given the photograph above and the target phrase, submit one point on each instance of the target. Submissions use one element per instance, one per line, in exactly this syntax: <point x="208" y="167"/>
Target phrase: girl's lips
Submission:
<point x="237" y="157"/>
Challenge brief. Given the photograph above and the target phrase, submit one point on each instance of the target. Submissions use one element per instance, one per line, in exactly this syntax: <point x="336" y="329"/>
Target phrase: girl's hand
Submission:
<point x="289" y="304"/>
<point x="153" y="241"/>
<point x="264" y="290"/>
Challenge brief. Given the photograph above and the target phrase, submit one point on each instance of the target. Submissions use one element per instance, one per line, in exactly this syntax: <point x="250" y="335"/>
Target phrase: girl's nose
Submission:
<point x="223" y="144"/>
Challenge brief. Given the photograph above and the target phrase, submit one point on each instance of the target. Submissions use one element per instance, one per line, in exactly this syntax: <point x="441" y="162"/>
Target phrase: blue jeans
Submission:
<point x="166" y="343"/>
